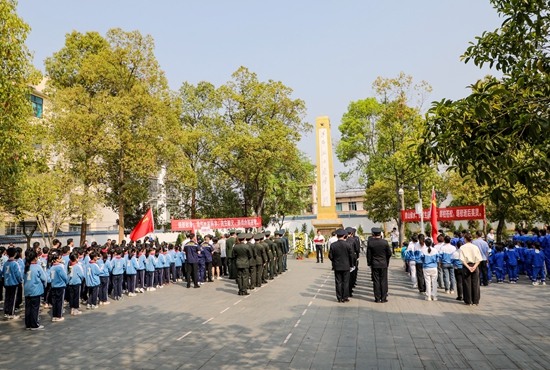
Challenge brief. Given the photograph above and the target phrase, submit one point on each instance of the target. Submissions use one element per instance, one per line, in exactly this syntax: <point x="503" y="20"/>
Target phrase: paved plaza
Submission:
<point x="293" y="322"/>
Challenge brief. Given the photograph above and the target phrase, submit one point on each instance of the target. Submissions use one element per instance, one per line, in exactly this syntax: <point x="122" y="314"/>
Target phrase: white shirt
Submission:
<point x="319" y="239"/>
<point x="222" y="248"/>
<point x="332" y="240"/>
<point x="438" y="246"/>
<point x="490" y="237"/>
<point x="394" y="236"/>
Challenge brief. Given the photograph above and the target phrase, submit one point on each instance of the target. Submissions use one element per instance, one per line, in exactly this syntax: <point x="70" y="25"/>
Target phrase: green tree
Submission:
<point x="16" y="75"/>
<point x="503" y="122"/>
<point x="377" y="136"/>
<point x="258" y="136"/>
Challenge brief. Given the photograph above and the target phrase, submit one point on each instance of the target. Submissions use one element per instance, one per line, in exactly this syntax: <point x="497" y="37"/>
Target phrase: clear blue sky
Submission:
<point x="329" y="52"/>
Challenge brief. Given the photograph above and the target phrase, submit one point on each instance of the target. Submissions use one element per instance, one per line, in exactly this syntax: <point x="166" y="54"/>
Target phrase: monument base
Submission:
<point x="326" y="227"/>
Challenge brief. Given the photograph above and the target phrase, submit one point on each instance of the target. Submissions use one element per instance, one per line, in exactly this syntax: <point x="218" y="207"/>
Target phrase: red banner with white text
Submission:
<point x="217" y="223"/>
<point x="447" y="214"/>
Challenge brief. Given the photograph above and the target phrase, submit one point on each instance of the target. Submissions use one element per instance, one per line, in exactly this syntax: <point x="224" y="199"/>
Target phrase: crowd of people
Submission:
<point x="462" y="263"/>
<point x="89" y="275"/>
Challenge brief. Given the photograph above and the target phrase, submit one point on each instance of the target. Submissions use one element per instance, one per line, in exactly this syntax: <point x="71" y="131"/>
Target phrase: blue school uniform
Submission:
<point x="498" y="266"/>
<point x="35" y="281"/>
<point x="58" y="275"/>
<point x="528" y="261"/>
<point x="538" y="266"/>
<point x="151" y="263"/>
<point x="119" y="265"/>
<point x="178" y="259"/>
<point x="142" y="260"/>
<point x="76" y="276"/>
<point x="66" y="260"/>
<point x="12" y="273"/>
<point x="92" y="274"/>
<point x="131" y="266"/>
<point x="512" y="258"/>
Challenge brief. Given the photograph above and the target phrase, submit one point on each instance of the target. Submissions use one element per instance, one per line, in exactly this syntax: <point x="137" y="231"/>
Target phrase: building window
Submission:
<point x="14" y="228"/>
<point x="37" y="104"/>
<point x="77" y="227"/>
<point x="339" y="207"/>
<point x="352" y="206"/>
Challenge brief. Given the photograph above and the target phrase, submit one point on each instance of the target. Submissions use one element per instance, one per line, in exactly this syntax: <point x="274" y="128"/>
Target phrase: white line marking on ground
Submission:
<point x="310" y="303"/>
<point x="224" y="310"/>
<point x="237" y="302"/>
<point x="247" y="296"/>
<point x="315" y="296"/>
<point x="184" y="335"/>
<point x="318" y="290"/>
<point x="303" y="313"/>
<point x="287" y="338"/>
<point x="322" y="285"/>
<point x="297" y="322"/>
<point x="208" y="320"/>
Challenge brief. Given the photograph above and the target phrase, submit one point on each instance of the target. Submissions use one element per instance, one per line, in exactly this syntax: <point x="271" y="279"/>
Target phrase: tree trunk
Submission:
<point x="83" y="229"/>
<point x="121" y="206"/>
<point x="500" y="227"/>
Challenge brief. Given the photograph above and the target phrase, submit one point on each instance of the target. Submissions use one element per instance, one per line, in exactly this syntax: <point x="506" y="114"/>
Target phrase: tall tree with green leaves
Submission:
<point x="502" y="124"/>
<point x="16" y="75"/>
<point x="376" y="137"/>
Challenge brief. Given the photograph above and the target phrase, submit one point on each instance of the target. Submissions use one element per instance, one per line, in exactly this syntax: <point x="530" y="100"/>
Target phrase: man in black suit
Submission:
<point x="342" y="259"/>
<point x="378" y="258"/>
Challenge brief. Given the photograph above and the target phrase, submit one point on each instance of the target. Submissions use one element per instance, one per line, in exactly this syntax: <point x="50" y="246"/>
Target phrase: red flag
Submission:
<point x="144" y="227"/>
<point x="433" y="217"/>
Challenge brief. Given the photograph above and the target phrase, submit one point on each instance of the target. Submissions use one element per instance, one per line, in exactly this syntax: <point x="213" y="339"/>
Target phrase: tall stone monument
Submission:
<point x="327" y="220"/>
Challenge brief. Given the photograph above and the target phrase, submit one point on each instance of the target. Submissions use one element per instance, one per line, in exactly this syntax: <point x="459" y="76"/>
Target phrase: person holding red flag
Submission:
<point x="145" y="226"/>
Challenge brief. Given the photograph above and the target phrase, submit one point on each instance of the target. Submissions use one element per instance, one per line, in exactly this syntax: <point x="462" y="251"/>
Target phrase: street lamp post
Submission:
<point x="401" y="193"/>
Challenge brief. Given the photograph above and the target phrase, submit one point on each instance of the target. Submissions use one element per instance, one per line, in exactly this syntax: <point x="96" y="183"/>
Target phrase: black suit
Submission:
<point x="342" y="259"/>
<point x="378" y="258"/>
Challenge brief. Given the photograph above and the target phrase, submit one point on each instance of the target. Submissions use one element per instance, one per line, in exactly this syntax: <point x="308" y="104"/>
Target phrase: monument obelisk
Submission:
<point x="327" y="219"/>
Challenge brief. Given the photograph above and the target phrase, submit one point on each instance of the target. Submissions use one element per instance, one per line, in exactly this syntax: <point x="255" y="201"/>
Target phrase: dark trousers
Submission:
<point x="83" y="291"/>
<point x="159" y="276"/>
<point x="259" y="275"/>
<point x="178" y="272"/>
<point x="459" y="284"/>
<point x="420" y="277"/>
<point x="73" y="293"/>
<point x="9" y="302"/>
<point x="103" y="288"/>
<point x="280" y="264"/>
<point x="224" y="266"/>
<point x="380" y="284"/>
<point x="471" y="286"/>
<point x="232" y="268"/>
<point x="284" y="262"/>
<point x="166" y="275"/>
<point x="150" y="279"/>
<point x="131" y="281"/>
<point x="1" y="289"/>
<point x="191" y="273"/>
<point x="140" y="278"/>
<point x="341" y="279"/>
<point x="32" y="307"/>
<point x="319" y="249"/>
<point x="242" y="279"/>
<point x="265" y="272"/>
<point x="92" y="295"/>
<point x="173" y="271"/>
<point x="484" y="273"/>
<point x="252" y="271"/>
<point x="117" y="285"/>
<point x="58" y="296"/>
<point x="209" y="271"/>
<point x="19" y="296"/>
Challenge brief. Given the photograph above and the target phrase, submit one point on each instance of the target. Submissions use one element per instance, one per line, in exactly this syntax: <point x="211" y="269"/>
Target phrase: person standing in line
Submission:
<point x="35" y="281"/>
<point x="333" y="238"/>
<point x="229" y="250"/>
<point x="223" y="255"/>
<point x="378" y="258"/>
<point x="418" y="265"/>
<point x="192" y="262"/>
<point x="484" y="250"/>
<point x="410" y="258"/>
<point x="447" y="251"/>
<point x="341" y="257"/>
<point x="59" y="283"/>
<point x="284" y="238"/>
<point x="430" y="261"/>
<point x="242" y="255"/>
<point x="470" y="256"/>
<point x="319" y="241"/>
<point x="394" y="238"/>
<point x="457" y="264"/>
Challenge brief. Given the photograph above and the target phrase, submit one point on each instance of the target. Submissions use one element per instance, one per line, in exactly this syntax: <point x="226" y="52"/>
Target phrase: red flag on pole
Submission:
<point x="433" y="217"/>
<point x="144" y="227"/>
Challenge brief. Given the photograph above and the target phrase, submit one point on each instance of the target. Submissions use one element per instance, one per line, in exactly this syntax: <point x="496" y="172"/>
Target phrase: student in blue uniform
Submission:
<point x="178" y="262"/>
<point x="119" y="266"/>
<point x="430" y="258"/>
<point x="76" y="275"/>
<point x="159" y="269"/>
<point x="512" y="263"/>
<point x="3" y="259"/>
<point x="59" y="283"/>
<point x="131" y="272"/>
<point x="140" y="270"/>
<point x="538" y="266"/>
<point x="457" y="265"/>
<point x="172" y="254"/>
<point x="167" y="263"/>
<point x="201" y="264"/>
<point x="208" y="250"/>
<point x="497" y="261"/>
<point x="12" y="279"/>
<point x="446" y="251"/>
<point x="93" y="281"/>
<point x="150" y="268"/>
<point x="105" y="269"/>
<point x="21" y="263"/>
<point x="35" y="281"/>
<point x="528" y="259"/>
